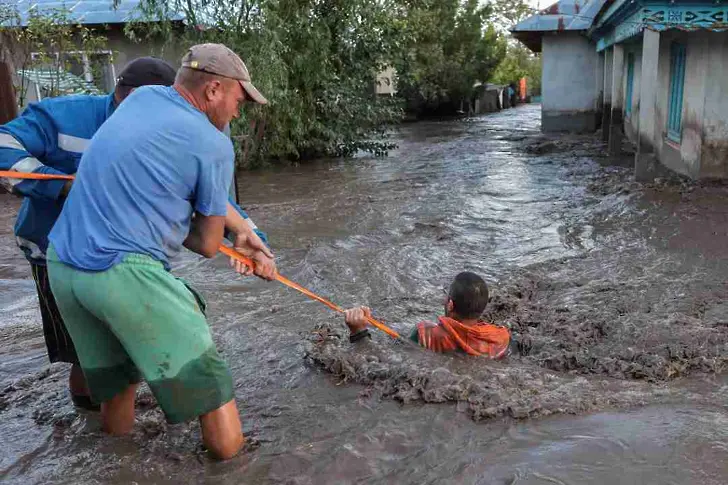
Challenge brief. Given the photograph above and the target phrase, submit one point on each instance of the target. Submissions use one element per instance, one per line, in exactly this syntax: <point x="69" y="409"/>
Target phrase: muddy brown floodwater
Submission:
<point x="616" y="292"/>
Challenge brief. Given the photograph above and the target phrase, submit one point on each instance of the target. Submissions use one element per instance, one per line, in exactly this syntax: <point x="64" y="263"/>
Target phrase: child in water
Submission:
<point x="459" y="330"/>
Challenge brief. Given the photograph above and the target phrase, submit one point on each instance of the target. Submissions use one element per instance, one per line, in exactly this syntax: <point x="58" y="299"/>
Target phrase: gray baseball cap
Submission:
<point x="219" y="59"/>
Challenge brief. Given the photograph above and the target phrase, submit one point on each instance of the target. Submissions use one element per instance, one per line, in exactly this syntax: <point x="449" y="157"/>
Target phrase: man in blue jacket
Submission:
<point x="50" y="137"/>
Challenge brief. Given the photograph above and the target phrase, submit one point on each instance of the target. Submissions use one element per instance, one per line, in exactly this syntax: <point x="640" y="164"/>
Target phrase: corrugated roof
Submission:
<point x="563" y="15"/>
<point x="83" y="11"/>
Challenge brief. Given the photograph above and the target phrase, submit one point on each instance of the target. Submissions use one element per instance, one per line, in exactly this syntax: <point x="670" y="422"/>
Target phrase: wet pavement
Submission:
<point x="617" y="292"/>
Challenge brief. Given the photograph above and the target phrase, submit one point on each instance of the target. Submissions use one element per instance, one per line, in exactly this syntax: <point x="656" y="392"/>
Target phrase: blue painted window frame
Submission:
<point x="677" y="86"/>
<point x="630" y="85"/>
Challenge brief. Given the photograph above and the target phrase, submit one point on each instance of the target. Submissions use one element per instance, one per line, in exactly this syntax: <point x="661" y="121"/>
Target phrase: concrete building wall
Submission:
<point x="126" y="50"/>
<point x="702" y="151"/>
<point x="693" y="110"/>
<point x="599" y="78"/>
<point x="668" y="152"/>
<point x="631" y="121"/>
<point x="714" y="153"/>
<point x="569" y="83"/>
<point x="607" y="83"/>
<point x="487" y="99"/>
<point x="682" y="157"/>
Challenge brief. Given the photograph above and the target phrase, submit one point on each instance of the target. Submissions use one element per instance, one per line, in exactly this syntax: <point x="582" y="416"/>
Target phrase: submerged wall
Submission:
<point x="569" y="83"/>
<point x="702" y="151"/>
<point x="714" y="153"/>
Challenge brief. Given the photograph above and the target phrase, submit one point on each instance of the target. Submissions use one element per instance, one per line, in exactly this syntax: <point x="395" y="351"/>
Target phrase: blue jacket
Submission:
<point x="50" y="137"/>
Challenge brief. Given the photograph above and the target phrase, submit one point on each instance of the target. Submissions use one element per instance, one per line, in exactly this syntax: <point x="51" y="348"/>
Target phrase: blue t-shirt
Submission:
<point x="154" y="161"/>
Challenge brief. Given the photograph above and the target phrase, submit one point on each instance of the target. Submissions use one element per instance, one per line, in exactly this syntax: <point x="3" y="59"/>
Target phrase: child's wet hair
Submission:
<point x="469" y="295"/>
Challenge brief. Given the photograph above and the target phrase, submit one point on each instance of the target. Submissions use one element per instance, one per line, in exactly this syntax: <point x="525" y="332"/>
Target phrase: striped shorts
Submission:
<point x="58" y="341"/>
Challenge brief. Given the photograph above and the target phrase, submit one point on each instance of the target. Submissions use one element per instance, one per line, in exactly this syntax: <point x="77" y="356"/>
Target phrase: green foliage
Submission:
<point x="48" y="48"/>
<point x="448" y="46"/>
<point x="506" y="13"/>
<point x="315" y="60"/>
<point x="519" y="62"/>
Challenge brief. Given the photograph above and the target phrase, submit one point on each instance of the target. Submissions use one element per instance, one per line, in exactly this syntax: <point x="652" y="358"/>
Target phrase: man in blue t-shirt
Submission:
<point x="49" y="138"/>
<point x="154" y="178"/>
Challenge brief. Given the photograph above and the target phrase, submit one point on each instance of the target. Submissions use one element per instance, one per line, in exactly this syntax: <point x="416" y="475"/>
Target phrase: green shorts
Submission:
<point x="135" y="320"/>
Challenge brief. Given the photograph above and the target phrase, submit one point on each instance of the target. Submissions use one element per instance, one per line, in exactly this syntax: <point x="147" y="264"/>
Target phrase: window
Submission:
<point x="630" y="85"/>
<point x="677" y="82"/>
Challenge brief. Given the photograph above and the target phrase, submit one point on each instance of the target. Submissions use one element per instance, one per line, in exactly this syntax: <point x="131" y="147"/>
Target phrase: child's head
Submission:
<point x="467" y="298"/>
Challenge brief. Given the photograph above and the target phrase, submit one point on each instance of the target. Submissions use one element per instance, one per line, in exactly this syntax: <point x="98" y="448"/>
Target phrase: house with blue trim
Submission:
<point x="655" y="72"/>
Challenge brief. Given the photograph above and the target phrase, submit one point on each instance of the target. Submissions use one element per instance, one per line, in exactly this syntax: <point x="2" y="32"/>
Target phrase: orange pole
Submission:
<point x="228" y="251"/>
<point x="34" y="176"/>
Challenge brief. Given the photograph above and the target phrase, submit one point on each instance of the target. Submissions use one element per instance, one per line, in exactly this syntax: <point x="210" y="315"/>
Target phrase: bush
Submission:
<point x="315" y="61"/>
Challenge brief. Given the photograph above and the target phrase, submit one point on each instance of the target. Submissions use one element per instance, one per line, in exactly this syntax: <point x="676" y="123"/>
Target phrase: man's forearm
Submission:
<point x="193" y="241"/>
<point x="205" y="235"/>
<point x="263" y="237"/>
<point x="235" y="223"/>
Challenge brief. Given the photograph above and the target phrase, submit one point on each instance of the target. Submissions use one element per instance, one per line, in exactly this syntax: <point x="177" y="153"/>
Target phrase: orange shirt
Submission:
<point x="483" y="339"/>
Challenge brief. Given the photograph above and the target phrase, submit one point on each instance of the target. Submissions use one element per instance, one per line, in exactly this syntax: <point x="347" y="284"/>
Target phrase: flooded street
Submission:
<point x="617" y="294"/>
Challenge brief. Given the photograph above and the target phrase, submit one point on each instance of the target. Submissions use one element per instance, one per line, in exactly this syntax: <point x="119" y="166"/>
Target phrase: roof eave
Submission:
<point x="531" y="39"/>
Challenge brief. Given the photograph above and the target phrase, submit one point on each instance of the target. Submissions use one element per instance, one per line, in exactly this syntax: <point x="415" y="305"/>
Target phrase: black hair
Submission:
<point x="122" y="91"/>
<point x="469" y="295"/>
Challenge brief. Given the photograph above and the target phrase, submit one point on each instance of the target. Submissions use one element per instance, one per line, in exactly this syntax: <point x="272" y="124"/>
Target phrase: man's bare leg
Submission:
<point x="222" y="433"/>
<point x="80" y="394"/>
<point x="117" y="414"/>
<point x="77" y="381"/>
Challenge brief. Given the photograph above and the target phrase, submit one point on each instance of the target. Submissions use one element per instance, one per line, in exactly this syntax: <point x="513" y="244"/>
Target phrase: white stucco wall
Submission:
<point x="683" y="157"/>
<point x="599" y="79"/>
<point x="714" y="153"/>
<point x="673" y="155"/>
<point x="703" y="148"/>
<point x="569" y="69"/>
<point x="631" y="121"/>
<point x="569" y="83"/>
<point x="696" y="70"/>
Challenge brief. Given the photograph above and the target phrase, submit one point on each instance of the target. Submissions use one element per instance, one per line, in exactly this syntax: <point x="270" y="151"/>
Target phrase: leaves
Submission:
<point x="315" y="60"/>
<point x="519" y="62"/>
<point x="449" y="45"/>
<point x="49" y="45"/>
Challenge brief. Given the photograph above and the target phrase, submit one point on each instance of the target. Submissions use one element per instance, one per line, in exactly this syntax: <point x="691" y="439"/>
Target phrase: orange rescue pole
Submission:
<point x="228" y="251"/>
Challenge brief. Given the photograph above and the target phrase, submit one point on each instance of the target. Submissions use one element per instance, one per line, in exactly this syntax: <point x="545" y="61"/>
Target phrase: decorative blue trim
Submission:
<point x="611" y="11"/>
<point x="631" y="27"/>
<point x="684" y="17"/>
<point x="617" y="28"/>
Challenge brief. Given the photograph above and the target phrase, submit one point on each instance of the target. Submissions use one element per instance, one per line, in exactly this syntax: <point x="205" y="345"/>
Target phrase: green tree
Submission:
<point x="449" y="45"/>
<point x="518" y="63"/>
<point x="315" y="60"/>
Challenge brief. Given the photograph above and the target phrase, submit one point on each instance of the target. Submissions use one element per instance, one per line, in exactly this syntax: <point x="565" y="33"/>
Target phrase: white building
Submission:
<point x="652" y="71"/>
